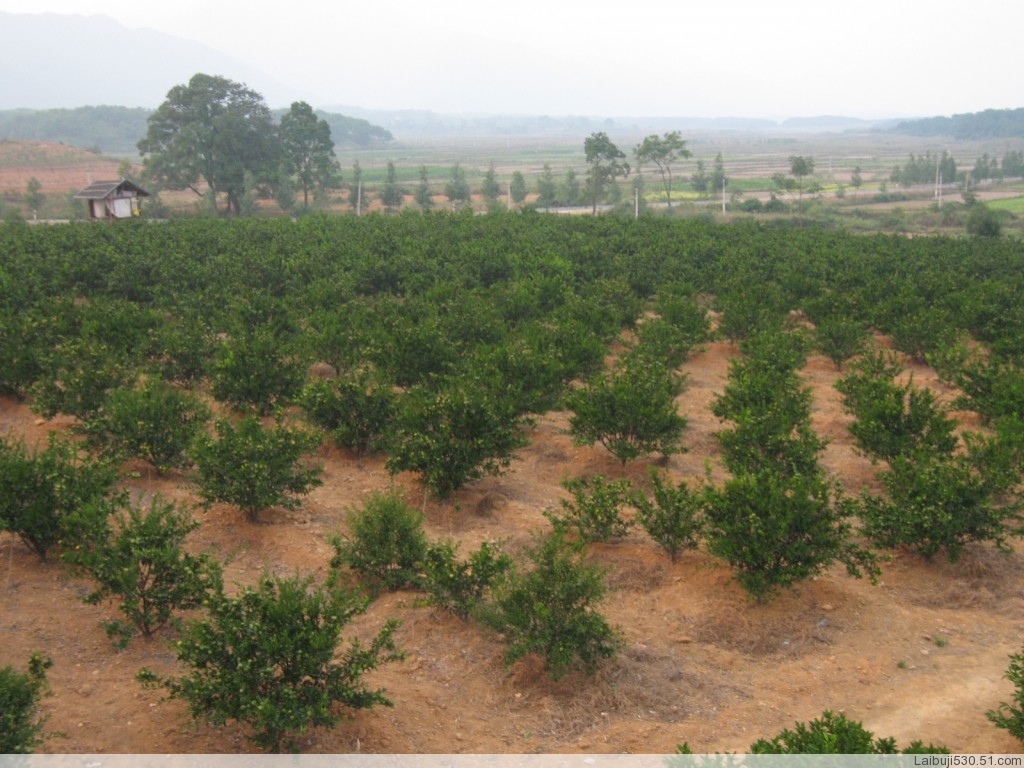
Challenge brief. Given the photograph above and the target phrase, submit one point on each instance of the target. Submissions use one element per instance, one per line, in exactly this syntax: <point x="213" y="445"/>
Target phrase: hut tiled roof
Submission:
<point x="100" y="190"/>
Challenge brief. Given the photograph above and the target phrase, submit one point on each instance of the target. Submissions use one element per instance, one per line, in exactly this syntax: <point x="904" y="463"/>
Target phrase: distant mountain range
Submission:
<point x="53" y="61"/>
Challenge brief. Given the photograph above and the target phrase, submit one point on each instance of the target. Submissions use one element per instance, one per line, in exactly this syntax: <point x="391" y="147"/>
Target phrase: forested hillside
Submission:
<point x="117" y="130"/>
<point x="990" y="124"/>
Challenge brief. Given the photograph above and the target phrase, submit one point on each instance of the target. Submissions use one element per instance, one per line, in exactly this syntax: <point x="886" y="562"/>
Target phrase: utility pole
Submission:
<point x="359" y="198"/>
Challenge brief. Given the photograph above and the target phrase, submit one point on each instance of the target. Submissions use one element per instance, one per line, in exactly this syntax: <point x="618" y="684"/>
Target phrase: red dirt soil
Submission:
<point x="921" y="655"/>
<point x="59" y="168"/>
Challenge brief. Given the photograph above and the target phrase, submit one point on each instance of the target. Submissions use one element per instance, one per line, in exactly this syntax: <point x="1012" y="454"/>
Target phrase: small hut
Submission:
<point x="113" y="199"/>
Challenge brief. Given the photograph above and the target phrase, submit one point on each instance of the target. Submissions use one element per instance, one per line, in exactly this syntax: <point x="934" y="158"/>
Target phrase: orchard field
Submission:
<point x="859" y="397"/>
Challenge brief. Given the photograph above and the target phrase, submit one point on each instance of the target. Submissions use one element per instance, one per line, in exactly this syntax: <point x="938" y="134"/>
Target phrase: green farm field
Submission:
<point x="749" y="159"/>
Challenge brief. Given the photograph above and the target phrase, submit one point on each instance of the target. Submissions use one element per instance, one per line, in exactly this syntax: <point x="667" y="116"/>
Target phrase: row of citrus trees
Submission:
<point x="437" y="338"/>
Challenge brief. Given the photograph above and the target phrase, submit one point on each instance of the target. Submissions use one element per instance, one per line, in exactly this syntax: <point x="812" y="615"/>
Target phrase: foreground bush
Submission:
<point x="142" y="565"/>
<point x="777" y="531"/>
<point x="673" y="518"/>
<point x="53" y="496"/>
<point x="551" y="610"/>
<point x="250" y="373"/>
<point x="893" y="419"/>
<point x="459" y="586"/>
<point x="269" y="658"/>
<point x="1011" y="716"/>
<point x="831" y="734"/>
<point x="20" y="693"/>
<point x="452" y="436"/>
<point x="155" y="422"/>
<point x="940" y="503"/>
<point x="386" y="544"/>
<point x="631" y="411"/>
<point x="255" y="467"/>
<point x="355" y="410"/>
<point x="595" y="512"/>
<point x="770" y="408"/>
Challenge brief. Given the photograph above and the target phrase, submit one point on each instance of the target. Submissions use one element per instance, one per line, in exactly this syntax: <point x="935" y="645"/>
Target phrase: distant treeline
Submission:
<point x="112" y="130"/>
<point x="117" y="130"/>
<point x="990" y="124"/>
<point x="348" y="131"/>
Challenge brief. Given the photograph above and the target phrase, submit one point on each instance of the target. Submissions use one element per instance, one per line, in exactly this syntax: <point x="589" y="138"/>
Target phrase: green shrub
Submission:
<point x="551" y="610"/>
<point x="56" y="496"/>
<point x="673" y="518"/>
<point x="982" y="221"/>
<point x="918" y="332"/>
<point x="142" y="565"/>
<point x="631" y="411"/>
<point x="938" y="502"/>
<point x="458" y="586"/>
<point x="255" y="467"/>
<point x="893" y="419"/>
<point x="522" y="371"/>
<point x="770" y="409"/>
<point x="840" y="338"/>
<point x="76" y="376"/>
<point x="777" y="530"/>
<point x="660" y="340"/>
<point x="185" y="349"/>
<point x="456" y="434"/>
<point x="688" y="317"/>
<point x="1011" y="716"/>
<point x="386" y="544"/>
<point x="20" y="694"/>
<point x="356" y="410"/>
<point x="156" y="422"/>
<point x="833" y="734"/>
<point x="595" y="511"/>
<point x="269" y="658"/>
<point x="993" y="387"/>
<point x="251" y="373"/>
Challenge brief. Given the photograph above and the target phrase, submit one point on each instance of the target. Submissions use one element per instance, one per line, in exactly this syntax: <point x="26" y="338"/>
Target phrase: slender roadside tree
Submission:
<point x="547" y="189"/>
<point x="34" y="197"/>
<point x="307" y="149"/>
<point x="491" y="187"/>
<point x="422" y="194"/>
<point x="391" y="192"/>
<point x="663" y="151"/>
<point x="606" y="163"/>
<point x="457" y="188"/>
<point x="355" y="188"/>
<point x="517" y="187"/>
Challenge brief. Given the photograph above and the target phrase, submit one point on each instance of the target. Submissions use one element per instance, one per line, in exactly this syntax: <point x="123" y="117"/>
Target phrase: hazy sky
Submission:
<point x="715" y="58"/>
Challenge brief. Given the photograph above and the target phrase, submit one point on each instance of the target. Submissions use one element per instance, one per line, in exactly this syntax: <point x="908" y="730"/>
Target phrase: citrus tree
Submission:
<point x="271" y="658"/>
<point x="255" y="467"/>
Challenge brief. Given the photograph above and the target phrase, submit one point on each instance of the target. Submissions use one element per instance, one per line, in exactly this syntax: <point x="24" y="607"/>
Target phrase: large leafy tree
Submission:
<point x="307" y="149"/>
<point x="663" y="151"/>
<point x="212" y="130"/>
<point x="606" y="163"/>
